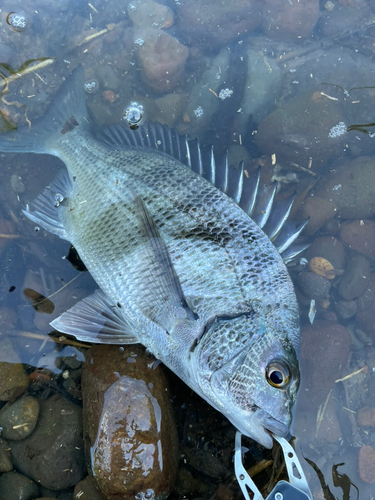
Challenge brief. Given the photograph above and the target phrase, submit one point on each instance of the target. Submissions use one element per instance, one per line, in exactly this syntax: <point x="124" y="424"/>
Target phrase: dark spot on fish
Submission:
<point x="119" y="305"/>
<point x="74" y="178"/>
<point x="12" y="288"/>
<point x="70" y="125"/>
<point x="39" y="302"/>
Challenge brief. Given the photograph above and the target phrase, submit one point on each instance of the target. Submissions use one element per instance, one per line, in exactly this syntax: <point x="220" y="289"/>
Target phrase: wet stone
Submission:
<point x="359" y="235"/>
<point x="212" y="24"/>
<point x="366" y="309"/>
<point x="16" y="486"/>
<point x="366" y="464"/>
<point x="19" y="420"/>
<point x="129" y="430"/>
<point x="313" y="286"/>
<point x="13" y="377"/>
<point x="351" y="187"/>
<point x="39" y="457"/>
<point x="366" y="416"/>
<point x="162" y="58"/>
<point x="5" y="460"/>
<point x="87" y="490"/>
<point x="346" y="309"/>
<point x="328" y="248"/>
<point x="147" y="13"/>
<point x="296" y="136"/>
<point x="289" y="21"/>
<point x="325" y="347"/>
<point x="355" y="279"/>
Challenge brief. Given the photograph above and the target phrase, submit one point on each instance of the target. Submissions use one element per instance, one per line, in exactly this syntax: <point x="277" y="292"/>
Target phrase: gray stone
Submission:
<point x="19" y="420"/>
<point x="87" y="490"/>
<point x="5" y="460"/>
<point x="16" y="486"/>
<point x="346" y="309"/>
<point x="53" y="454"/>
<point x="355" y="279"/>
<point x="313" y="286"/>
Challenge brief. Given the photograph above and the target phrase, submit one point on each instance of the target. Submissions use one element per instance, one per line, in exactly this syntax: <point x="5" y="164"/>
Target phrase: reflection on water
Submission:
<point x="287" y="86"/>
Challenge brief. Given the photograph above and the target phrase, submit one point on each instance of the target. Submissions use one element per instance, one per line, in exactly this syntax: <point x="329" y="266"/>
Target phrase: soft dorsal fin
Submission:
<point x="256" y="202"/>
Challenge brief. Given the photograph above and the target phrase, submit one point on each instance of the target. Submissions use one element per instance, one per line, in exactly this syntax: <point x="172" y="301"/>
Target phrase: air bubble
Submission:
<point x="59" y="198"/>
<point x="133" y="114"/>
<point x="139" y="41"/>
<point x="91" y="86"/>
<point x="225" y="93"/>
<point x="17" y="21"/>
<point x="198" y="112"/>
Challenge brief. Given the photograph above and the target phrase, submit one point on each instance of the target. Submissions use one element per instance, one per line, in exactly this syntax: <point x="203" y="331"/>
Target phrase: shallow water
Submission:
<point x="289" y="87"/>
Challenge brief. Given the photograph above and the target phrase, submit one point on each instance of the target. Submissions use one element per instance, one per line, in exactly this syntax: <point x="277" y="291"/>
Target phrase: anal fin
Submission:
<point x="94" y="319"/>
<point x="46" y="209"/>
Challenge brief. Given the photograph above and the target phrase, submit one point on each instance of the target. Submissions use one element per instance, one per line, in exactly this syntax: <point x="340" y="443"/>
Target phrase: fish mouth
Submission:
<point x="261" y="427"/>
<point x="276" y="427"/>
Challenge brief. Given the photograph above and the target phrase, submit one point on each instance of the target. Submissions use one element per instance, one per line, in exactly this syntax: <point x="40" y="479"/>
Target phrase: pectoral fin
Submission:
<point x="163" y="300"/>
<point x="94" y="319"/>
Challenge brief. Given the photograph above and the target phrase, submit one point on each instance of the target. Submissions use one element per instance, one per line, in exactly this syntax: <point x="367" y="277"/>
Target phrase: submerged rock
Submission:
<point x="325" y="348"/>
<point x="19" y="420"/>
<point x="307" y="126"/>
<point x="130" y="434"/>
<point x="352" y="188"/>
<point x="359" y="235"/>
<point x="366" y="308"/>
<point x="211" y="24"/>
<point x="16" y="486"/>
<point x="162" y="58"/>
<point x="13" y="377"/>
<point x="290" y="20"/>
<point x="53" y="454"/>
<point x="355" y="279"/>
<point x="366" y="464"/>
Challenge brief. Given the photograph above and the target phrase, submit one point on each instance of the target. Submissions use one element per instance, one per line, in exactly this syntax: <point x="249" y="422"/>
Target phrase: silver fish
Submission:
<point x="182" y="267"/>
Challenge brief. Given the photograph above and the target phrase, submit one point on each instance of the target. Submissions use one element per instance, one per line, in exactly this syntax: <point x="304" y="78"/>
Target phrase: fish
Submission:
<point x="188" y="253"/>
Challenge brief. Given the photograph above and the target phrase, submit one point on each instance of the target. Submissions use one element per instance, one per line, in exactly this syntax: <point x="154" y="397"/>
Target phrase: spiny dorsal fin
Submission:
<point x="256" y="202"/>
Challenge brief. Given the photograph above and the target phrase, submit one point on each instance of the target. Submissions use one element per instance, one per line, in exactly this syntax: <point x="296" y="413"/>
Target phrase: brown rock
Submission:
<point x="150" y="14"/>
<point x="162" y="58"/>
<point x="329" y="248"/>
<point x="212" y="24"/>
<point x="325" y="347"/>
<point x="359" y="235"/>
<point x="366" y="464"/>
<point x="129" y="429"/>
<point x="13" y="377"/>
<point x="366" y="416"/>
<point x="329" y="428"/>
<point x="366" y="308"/>
<point x="319" y="211"/>
<point x="289" y="20"/>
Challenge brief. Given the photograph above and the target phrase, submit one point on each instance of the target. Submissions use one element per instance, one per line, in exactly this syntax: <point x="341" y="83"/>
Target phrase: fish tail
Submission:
<point x="44" y="134"/>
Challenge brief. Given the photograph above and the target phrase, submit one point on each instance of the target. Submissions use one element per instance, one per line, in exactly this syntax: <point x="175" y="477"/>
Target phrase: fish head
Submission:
<point x="257" y="388"/>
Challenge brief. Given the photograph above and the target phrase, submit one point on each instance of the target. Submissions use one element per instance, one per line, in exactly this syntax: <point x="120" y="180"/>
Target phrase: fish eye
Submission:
<point x="278" y="373"/>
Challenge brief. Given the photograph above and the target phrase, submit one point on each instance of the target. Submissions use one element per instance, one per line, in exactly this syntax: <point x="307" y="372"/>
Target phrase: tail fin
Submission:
<point x="67" y="112"/>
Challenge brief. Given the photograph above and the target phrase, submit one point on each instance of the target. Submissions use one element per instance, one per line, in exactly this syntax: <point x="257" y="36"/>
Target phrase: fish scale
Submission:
<point x="181" y="267"/>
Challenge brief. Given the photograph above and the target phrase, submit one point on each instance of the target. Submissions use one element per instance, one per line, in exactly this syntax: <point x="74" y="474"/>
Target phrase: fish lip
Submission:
<point x="275" y="427"/>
